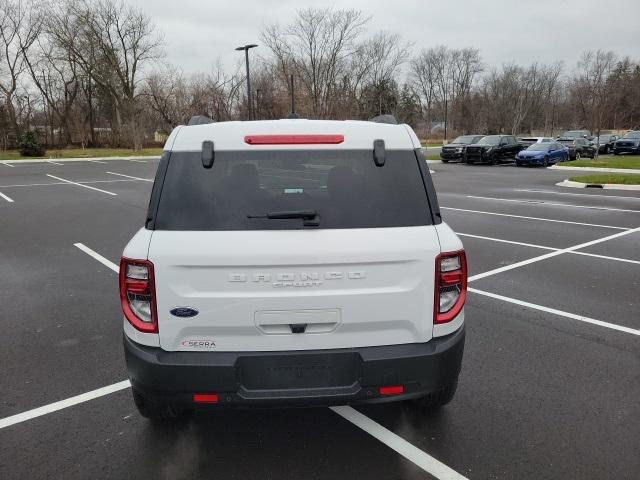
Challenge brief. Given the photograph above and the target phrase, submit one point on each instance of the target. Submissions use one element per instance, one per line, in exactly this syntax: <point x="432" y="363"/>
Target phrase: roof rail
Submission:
<point x="200" y="120"/>
<point x="390" y="119"/>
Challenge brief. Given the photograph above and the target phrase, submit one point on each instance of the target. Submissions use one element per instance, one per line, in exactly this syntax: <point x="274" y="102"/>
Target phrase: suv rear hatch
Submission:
<point x="350" y="262"/>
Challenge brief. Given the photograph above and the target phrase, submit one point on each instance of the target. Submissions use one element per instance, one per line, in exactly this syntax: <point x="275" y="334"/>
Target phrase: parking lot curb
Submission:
<point x="606" y="186"/>
<point x="596" y="169"/>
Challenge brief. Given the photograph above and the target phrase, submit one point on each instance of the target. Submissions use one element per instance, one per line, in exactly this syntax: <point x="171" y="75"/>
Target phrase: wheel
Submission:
<point x="444" y="160"/>
<point x="493" y="161"/>
<point x="438" y="399"/>
<point x="518" y="164"/>
<point x="152" y="410"/>
<point x="577" y="157"/>
<point x="607" y="150"/>
<point x="616" y="153"/>
<point x="545" y="164"/>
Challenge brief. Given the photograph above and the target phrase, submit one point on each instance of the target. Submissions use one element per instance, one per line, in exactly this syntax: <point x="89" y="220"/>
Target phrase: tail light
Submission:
<point x="450" y="286"/>
<point x="137" y="294"/>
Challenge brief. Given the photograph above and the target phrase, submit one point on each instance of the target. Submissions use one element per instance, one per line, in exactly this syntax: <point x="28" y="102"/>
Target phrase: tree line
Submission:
<point x="95" y="73"/>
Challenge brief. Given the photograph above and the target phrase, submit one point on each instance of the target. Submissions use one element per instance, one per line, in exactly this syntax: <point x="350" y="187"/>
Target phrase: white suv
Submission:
<point x="292" y="262"/>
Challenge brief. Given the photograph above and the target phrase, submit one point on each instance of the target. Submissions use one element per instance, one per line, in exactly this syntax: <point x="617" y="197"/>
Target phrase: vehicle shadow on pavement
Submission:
<point x="274" y="444"/>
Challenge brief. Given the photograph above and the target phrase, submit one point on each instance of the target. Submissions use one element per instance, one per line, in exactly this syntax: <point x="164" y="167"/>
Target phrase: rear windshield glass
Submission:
<point x="632" y="135"/>
<point x="539" y="147"/>
<point x="345" y="188"/>
<point x="490" y="140"/>
<point x="466" y="140"/>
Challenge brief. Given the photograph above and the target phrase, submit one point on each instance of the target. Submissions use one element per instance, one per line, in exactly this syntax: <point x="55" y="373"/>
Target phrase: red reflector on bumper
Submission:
<point x="293" y="139"/>
<point x="392" y="390"/>
<point x="205" y="398"/>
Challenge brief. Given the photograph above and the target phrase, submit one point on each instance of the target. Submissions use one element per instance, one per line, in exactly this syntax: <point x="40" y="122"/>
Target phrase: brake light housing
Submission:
<point x="450" y="286"/>
<point x="308" y="139"/>
<point x="138" y="294"/>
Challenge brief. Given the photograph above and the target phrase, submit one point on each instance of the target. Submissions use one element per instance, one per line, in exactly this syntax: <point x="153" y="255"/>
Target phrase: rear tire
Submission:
<point x="439" y="399"/>
<point x="493" y="161"/>
<point x="546" y="162"/>
<point x="153" y="410"/>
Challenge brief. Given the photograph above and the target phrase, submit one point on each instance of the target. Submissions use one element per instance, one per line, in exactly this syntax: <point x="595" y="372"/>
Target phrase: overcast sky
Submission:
<point x="197" y="32"/>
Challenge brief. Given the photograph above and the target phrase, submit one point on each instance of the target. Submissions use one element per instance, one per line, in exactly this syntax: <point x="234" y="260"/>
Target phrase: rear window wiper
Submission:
<point x="310" y="217"/>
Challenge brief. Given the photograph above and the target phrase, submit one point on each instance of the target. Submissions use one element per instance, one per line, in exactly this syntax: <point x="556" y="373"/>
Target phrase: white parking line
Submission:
<point x="542" y="247"/>
<point x="62" y="183"/>
<point x="574" y="194"/>
<point x="10" y="200"/>
<point x="129" y="176"/>
<point x="550" y="255"/>
<point x="96" y="161"/>
<point x="533" y="218"/>
<point x="554" y="311"/>
<point x="81" y="185"/>
<point x="68" y="402"/>
<point x="552" y="204"/>
<point x="55" y="163"/>
<point x="106" y="262"/>
<point x="138" y="161"/>
<point x="500" y="240"/>
<point x="412" y="453"/>
<point x="7" y="164"/>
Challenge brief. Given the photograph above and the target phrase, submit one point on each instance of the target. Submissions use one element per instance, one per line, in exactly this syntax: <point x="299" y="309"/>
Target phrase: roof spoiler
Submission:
<point x="389" y="119"/>
<point x="200" y="120"/>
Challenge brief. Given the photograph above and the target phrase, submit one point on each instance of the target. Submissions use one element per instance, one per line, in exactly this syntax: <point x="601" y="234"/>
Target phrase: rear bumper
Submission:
<point x="318" y="377"/>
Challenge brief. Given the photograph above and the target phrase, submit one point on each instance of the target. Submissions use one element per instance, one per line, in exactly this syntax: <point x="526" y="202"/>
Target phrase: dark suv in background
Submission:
<point x="493" y="149"/>
<point x="578" y="147"/>
<point x="456" y="149"/>
<point x="604" y="143"/>
<point x="629" y="143"/>
<point x="573" y="134"/>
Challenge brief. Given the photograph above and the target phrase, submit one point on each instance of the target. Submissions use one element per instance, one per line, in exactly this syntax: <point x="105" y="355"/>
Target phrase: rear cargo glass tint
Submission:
<point x="344" y="187"/>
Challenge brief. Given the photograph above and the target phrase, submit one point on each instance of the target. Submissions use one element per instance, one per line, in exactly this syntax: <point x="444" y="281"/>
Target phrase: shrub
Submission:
<point x="30" y="146"/>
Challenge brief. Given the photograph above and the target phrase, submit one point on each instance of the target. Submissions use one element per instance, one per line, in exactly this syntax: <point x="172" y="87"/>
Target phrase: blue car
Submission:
<point x="542" y="154"/>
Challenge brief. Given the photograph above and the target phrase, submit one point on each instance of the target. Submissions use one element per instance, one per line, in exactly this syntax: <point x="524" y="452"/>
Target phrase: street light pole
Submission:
<point x="246" y="59"/>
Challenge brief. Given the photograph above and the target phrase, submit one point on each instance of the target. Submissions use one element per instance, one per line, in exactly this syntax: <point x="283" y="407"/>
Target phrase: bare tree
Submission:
<point x="316" y="46"/>
<point x="112" y="42"/>
<point x="594" y="70"/>
<point x="423" y="77"/>
<point x="19" y="28"/>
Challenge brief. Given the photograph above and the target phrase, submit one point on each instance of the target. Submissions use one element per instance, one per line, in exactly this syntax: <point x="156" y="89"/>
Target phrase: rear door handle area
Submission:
<point x="296" y="322"/>
<point x="298" y="327"/>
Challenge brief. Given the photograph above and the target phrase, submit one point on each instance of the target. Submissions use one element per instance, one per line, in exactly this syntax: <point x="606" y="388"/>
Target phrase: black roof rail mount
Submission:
<point x="390" y="119"/>
<point x="379" y="153"/>
<point x="208" y="154"/>
<point x="200" y="120"/>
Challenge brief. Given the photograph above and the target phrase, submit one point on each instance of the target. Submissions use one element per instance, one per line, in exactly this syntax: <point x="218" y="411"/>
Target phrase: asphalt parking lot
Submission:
<point x="550" y="380"/>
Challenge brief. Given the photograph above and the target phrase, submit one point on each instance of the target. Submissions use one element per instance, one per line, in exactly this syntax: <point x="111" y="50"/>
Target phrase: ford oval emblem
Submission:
<point x="184" y="312"/>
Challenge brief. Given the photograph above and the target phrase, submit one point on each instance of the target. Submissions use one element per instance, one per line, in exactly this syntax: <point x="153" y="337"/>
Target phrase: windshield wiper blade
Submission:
<point x="310" y="217"/>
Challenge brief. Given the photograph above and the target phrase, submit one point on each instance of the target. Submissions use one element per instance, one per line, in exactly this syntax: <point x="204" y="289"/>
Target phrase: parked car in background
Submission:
<point x="578" y="147"/>
<point x="577" y="134"/>
<point x="456" y="149"/>
<point x="604" y="143"/>
<point x="543" y="153"/>
<point x="526" y="141"/>
<point x="493" y="149"/>
<point x="628" y="143"/>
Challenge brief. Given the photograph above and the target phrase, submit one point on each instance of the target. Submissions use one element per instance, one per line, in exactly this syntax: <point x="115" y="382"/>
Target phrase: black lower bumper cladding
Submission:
<point x="317" y="377"/>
